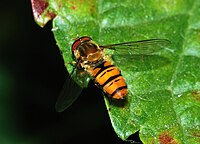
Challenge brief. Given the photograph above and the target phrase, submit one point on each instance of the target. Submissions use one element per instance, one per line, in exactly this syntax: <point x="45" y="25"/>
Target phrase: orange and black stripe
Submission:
<point x="109" y="78"/>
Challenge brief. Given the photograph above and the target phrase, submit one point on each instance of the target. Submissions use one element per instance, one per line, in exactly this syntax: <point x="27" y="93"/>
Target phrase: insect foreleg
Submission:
<point x="71" y="63"/>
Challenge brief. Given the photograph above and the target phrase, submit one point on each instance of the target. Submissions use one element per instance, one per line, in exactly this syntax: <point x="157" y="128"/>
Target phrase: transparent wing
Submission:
<point x="142" y="47"/>
<point x="70" y="92"/>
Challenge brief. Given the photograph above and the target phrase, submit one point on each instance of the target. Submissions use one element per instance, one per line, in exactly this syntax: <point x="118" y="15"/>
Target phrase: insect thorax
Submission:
<point x="89" y="55"/>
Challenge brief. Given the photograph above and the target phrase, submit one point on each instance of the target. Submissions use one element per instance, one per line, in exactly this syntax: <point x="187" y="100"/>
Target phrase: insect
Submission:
<point x="91" y="59"/>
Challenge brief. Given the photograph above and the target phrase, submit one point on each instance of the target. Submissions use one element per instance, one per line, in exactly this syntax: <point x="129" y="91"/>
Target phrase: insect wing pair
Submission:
<point x="71" y="90"/>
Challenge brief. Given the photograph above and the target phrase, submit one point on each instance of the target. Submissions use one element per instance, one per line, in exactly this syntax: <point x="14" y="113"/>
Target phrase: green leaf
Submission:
<point x="164" y="89"/>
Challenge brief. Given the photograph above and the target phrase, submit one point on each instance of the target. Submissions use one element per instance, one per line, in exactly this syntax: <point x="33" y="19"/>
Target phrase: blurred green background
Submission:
<point x="31" y="75"/>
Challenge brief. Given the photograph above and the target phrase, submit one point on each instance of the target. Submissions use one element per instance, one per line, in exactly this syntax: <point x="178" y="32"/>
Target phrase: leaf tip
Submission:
<point x="41" y="12"/>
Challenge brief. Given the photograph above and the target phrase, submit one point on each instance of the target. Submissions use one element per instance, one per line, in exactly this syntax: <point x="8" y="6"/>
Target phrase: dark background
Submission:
<point x="32" y="73"/>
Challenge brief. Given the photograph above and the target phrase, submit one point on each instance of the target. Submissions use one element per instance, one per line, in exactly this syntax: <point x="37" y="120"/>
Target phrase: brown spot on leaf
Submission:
<point x="92" y="8"/>
<point x="50" y="14"/>
<point x="165" y="138"/>
<point x="196" y="94"/>
<point x="196" y="134"/>
<point x="153" y="141"/>
<point x="73" y="7"/>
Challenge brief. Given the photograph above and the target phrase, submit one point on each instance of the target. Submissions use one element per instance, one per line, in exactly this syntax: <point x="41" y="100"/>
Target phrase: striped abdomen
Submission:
<point x="109" y="78"/>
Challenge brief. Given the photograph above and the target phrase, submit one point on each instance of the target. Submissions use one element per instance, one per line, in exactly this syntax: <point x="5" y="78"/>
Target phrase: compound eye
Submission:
<point x="79" y="41"/>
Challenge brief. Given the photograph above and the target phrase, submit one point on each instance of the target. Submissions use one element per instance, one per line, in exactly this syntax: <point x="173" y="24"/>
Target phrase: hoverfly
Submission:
<point x="91" y="59"/>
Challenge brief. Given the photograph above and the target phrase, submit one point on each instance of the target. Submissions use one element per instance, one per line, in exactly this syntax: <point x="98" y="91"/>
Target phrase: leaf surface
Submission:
<point x="164" y="88"/>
